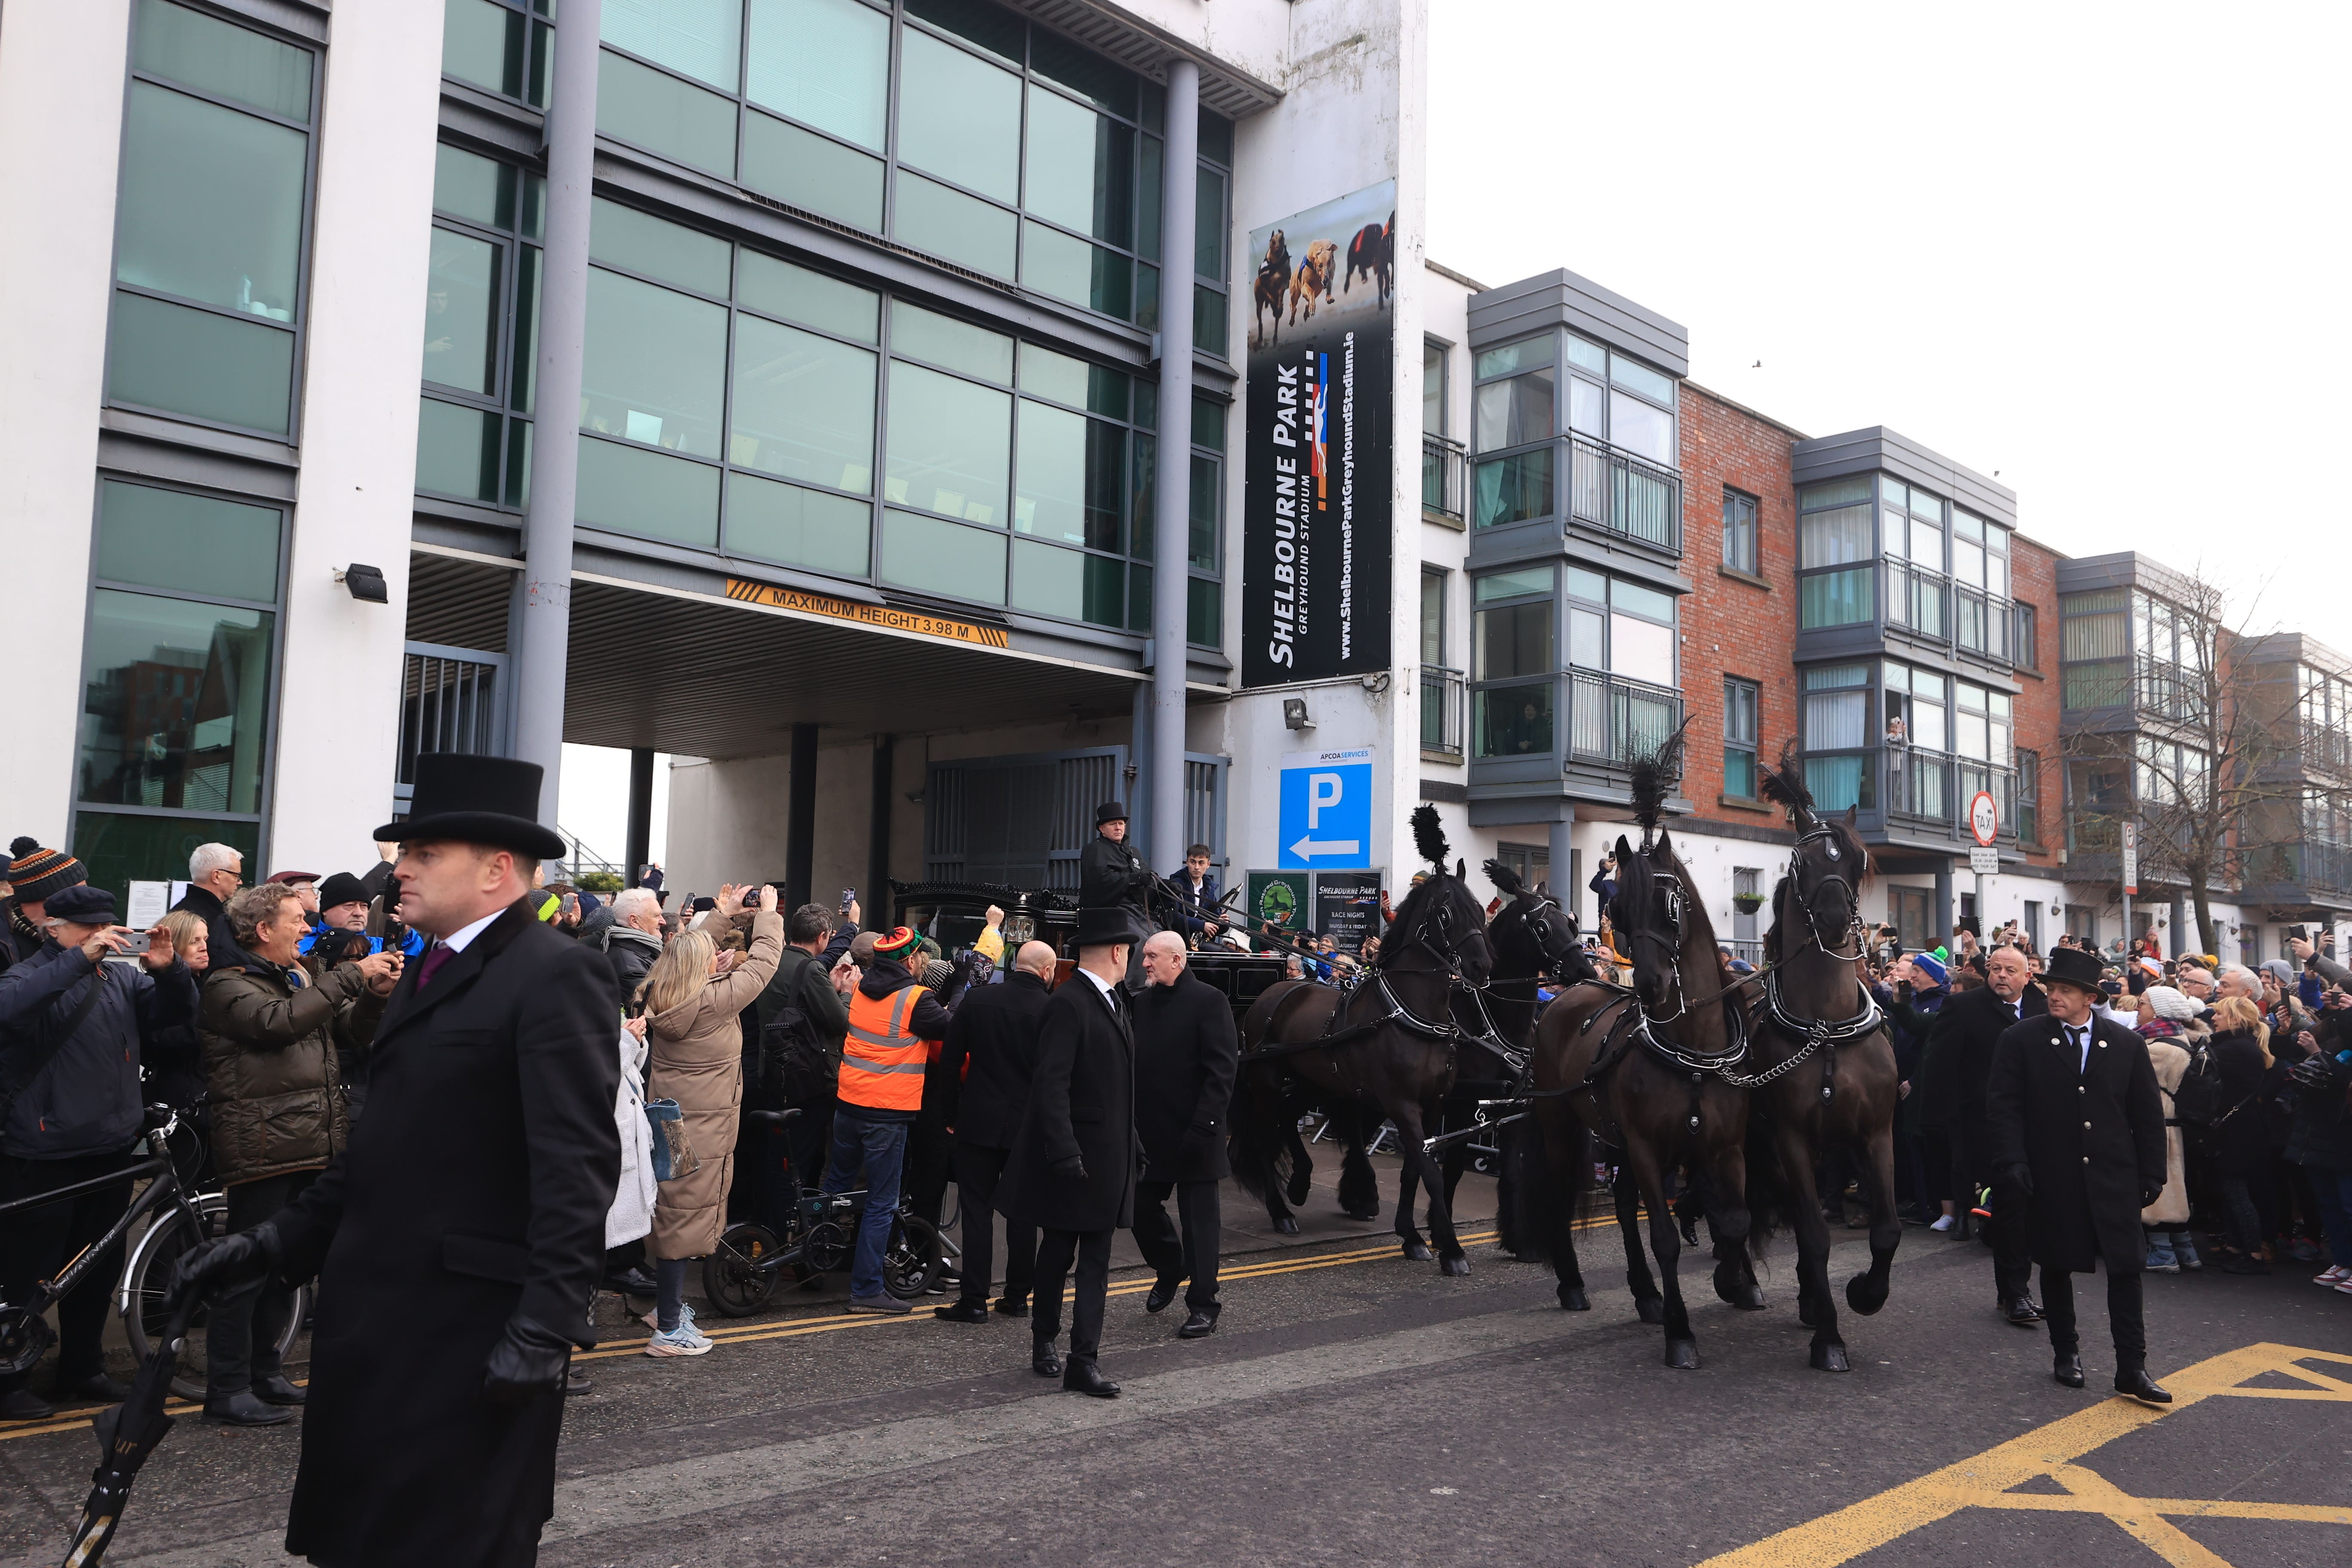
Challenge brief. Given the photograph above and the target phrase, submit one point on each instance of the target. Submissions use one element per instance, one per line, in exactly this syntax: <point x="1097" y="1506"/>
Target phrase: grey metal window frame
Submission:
<point x="1564" y="440"/>
<point x="1754" y="563"/>
<point x="512" y="246"/>
<point x="539" y="18"/>
<point x="300" y="326"/>
<point x="1752" y="742"/>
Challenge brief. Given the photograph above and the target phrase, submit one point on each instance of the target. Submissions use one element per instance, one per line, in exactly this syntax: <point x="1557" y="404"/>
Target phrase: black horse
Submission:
<point x="1642" y="1071"/>
<point x="1820" y="1071"/>
<point x="1385" y="1049"/>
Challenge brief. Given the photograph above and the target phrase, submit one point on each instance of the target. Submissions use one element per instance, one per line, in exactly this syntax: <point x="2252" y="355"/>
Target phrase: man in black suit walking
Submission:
<point x="1959" y="1068"/>
<point x="1072" y="1171"/>
<point x="1186" y="1054"/>
<point x="985" y="1064"/>
<point x="2078" y="1128"/>
<point x="465" y="1224"/>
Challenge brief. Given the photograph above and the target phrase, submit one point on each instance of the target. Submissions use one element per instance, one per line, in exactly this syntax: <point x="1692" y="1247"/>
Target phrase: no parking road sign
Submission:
<point x="1325" y="820"/>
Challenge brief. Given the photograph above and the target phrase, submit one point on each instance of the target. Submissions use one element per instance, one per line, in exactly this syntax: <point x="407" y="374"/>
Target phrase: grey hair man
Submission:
<point x="216" y="871"/>
<point x="634" y="941"/>
<point x="2237" y="980"/>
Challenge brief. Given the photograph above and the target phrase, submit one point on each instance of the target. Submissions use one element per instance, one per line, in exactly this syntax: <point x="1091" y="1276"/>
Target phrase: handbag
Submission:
<point x="674" y="1156"/>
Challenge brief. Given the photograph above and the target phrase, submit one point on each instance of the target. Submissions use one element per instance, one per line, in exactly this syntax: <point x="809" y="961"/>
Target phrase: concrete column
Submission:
<point x="1940" y="910"/>
<point x="1172" y="521"/>
<point x="1562" y="888"/>
<point x="640" y="836"/>
<point x="876" y="893"/>
<point x="2178" y="940"/>
<point x="800" y="819"/>
<point x="545" y="649"/>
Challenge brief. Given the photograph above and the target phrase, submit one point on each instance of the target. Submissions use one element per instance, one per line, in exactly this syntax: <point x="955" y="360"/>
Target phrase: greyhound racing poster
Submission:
<point x="1320" y="443"/>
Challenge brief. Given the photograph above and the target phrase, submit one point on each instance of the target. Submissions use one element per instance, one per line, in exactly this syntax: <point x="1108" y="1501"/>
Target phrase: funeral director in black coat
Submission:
<point x="1071" y="1174"/>
<point x="460" y="1240"/>
<point x="1186" y="1053"/>
<point x="1111" y="875"/>
<point x="984" y="1065"/>
<point x="2076" y="1127"/>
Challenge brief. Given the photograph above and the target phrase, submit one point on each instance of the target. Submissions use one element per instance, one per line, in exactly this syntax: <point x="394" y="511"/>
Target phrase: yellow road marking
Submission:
<point x="1985" y="1480"/>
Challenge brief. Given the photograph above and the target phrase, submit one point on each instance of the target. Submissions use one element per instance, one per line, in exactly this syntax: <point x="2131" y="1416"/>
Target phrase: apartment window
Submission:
<point x="1981" y="605"/>
<point x="1739" y="510"/>
<point x="1834" y="581"/>
<point x="1838" y="738"/>
<point x="2094" y="648"/>
<point x="1912" y="536"/>
<point x="211" y="221"/>
<point x="1620" y="401"/>
<point x="2028" y="640"/>
<point x="481" y="311"/>
<point x="498" y="47"/>
<point x="1432" y="388"/>
<point x="995" y="145"/>
<point x="1432" y="616"/>
<point x="2029" y="801"/>
<point x="1511" y="414"/>
<point x="178" y="677"/>
<point x="1513" y="660"/>
<point x="1739" y="738"/>
<point x="2033" y="924"/>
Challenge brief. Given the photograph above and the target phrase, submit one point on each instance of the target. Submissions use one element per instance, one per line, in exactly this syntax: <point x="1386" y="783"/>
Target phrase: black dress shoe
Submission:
<point x="962" y="1311"/>
<point x="1198" y="1326"/>
<point x="242" y="1409"/>
<point x="2140" y="1386"/>
<point x="97" y="1386"/>
<point x="1042" y="1361"/>
<point x="1163" y="1290"/>
<point x="575" y="1383"/>
<point x="1083" y="1377"/>
<point x="638" y="1281"/>
<point x="2022" y="1313"/>
<point x="2067" y="1368"/>
<point x="275" y="1390"/>
<point x="1010" y="1306"/>
<point x="24" y="1405"/>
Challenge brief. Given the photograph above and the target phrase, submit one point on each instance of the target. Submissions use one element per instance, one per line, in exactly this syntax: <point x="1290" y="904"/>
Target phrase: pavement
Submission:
<point x="1354" y="1405"/>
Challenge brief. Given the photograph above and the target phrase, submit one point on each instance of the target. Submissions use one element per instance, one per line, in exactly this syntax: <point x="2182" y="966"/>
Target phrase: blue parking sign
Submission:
<point x="1327" y="810"/>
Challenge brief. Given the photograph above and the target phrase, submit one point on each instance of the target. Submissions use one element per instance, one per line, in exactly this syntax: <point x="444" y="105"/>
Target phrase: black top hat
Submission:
<point x="477" y="800"/>
<point x="1108" y="923"/>
<point x="2073" y="966"/>
<point x="1109" y="811"/>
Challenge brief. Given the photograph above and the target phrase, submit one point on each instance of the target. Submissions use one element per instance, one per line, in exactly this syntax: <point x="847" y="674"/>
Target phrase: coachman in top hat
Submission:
<point x="460" y="1240"/>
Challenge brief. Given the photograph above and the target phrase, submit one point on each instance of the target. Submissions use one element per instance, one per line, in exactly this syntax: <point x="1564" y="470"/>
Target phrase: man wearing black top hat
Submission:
<point x="1113" y="877"/>
<point x="2076" y="1127"/>
<point x="460" y="1240"/>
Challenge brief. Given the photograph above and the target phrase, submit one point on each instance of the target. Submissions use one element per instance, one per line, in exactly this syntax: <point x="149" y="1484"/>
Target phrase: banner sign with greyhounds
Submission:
<point x="1321" y="444"/>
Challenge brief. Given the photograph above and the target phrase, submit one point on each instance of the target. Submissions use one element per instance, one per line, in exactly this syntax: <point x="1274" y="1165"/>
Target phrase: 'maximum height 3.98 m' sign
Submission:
<point x="1320" y="448"/>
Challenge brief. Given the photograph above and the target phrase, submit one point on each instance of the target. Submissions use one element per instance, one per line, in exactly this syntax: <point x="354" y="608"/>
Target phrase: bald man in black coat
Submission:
<point x="1186" y="1054"/>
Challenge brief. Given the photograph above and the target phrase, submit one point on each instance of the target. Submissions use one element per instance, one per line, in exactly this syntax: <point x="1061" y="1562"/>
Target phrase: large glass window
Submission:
<point x="494" y="44"/>
<point x="1511" y="640"/>
<point x="1834" y="551"/>
<point x="211" y="221"/>
<point x="1739" y="510"/>
<point x="481" y="303"/>
<point x="1836" y="724"/>
<point x="1739" y="702"/>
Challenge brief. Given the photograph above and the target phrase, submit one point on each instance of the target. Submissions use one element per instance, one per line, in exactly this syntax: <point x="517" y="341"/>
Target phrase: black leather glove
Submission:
<point x="2020" y="1177"/>
<point x="213" y="1268"/>
<point x="527" y="1362"/>
<point x="2148" y="1194"/>
<point x="1072" y="1169"/>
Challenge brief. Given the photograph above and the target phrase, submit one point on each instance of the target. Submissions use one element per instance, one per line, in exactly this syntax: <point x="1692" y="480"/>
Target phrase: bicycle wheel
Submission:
<point x="730" y="1276"/>
<point x="148" y="1271"/>
<point x="911" y="1261"/>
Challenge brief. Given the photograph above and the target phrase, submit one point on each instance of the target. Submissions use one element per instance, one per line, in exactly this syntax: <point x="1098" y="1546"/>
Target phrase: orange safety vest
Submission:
<point x="881" y="1063"/>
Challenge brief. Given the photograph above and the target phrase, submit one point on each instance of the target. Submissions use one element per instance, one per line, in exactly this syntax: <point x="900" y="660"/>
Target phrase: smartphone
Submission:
<point x="848" y="897"/>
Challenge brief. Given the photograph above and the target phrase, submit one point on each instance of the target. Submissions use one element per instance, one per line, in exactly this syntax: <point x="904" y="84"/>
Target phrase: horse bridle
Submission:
<point x="1818" y="1034"/>
<point x="1822" y="832"/>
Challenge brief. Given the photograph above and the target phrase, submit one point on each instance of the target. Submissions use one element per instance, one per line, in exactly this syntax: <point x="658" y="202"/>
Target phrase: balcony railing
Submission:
<point x="2150" y="688"/>
<point x="1443" y="709"/>
<point x="1981" y="622"/>
<point x="2314" y="866"/>
<point x="2326" y="749"/>
<point x="1920" y="790"/>
<point x="1620" y="492"/>
<point x="1917" y="598"/>
<point x="1612" y="720"/>
<point x="1442" y="478"/>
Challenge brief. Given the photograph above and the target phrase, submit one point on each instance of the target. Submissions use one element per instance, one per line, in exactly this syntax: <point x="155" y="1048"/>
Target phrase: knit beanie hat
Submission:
<point x="1931" y="966"/>
<point x="2168" y="1002"/>
<point x="36" y="872"/>
<point x="898" y="944"/>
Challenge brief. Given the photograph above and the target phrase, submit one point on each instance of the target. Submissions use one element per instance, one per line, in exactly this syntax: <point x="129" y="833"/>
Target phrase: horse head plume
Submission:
<point x="1654" y="775"/>
<point x="1785" y="785"/>
<point x="1506" y="881"/>
<point x="1429" y="836"/>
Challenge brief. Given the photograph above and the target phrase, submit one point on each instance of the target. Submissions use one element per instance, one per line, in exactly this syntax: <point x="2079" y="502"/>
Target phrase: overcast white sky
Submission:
<point x="2097" y="249"/>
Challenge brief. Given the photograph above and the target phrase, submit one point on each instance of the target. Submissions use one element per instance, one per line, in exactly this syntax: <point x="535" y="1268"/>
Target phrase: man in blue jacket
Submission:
<point x="71" y="1028"/>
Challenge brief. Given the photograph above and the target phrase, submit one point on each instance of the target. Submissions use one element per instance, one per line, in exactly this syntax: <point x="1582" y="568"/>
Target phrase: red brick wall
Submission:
<point x="1731" y="626"/>
<point x="2034" y="580"/>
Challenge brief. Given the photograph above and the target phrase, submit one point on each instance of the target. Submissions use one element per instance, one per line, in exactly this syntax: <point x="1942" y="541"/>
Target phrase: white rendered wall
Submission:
<point x="371" y="239"/>
<point x="61" y="76"/>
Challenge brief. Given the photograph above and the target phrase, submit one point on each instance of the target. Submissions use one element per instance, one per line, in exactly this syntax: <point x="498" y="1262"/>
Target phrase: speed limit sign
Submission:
<point x="1984" y="818"/>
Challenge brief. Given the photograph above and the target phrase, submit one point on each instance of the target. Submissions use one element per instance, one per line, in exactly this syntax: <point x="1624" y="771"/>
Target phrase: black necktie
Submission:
<point x="2074" y="1039"/>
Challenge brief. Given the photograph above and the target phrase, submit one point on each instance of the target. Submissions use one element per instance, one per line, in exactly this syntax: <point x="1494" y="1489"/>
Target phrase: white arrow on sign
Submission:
<point x="1307" y="848"/>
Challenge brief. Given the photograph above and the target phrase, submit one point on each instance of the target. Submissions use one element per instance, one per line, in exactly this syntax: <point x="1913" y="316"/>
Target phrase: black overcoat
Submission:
<point x="1957" y="1061"/>
<point x="1082" y="1102"/>
<point x="1186" y="1053"/>
<point x="2092" y="1135"/>
<point x="986" y="1060"/>
<point x="475" y="1189"/>
<point x="1112" y="874"/>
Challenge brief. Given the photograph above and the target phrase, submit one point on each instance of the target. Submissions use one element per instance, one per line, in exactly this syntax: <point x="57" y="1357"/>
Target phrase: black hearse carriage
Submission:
<point x="953" y="914"/>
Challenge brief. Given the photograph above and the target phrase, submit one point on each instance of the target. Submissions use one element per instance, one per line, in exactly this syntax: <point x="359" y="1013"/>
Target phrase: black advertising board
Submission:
<point x="1348" y="907"/>
<point x="1320" y="443"/>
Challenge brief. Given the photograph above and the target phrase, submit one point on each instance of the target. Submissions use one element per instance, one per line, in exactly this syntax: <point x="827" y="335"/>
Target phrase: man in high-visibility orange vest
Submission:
<point x="894" y="1027"/>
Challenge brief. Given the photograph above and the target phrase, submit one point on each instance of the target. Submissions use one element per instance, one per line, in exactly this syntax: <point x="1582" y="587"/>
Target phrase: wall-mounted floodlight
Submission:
<point x="366" y="583"/>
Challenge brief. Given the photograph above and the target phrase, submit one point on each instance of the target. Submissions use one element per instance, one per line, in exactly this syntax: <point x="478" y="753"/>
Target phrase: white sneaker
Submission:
<point x="683" y="1339"/>
<point x="2336" y="1276"/>
<point x="1943" y="1222"/>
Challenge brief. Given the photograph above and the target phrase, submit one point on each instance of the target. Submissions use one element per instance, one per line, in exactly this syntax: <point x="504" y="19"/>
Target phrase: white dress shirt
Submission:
<point x="457" y="939"/>
<point x="1103" y="985"/>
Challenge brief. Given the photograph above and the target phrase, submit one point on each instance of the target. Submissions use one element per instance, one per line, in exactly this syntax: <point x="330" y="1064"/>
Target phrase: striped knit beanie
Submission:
<point x="898" y="944"/>
<point x="36" y="872"/>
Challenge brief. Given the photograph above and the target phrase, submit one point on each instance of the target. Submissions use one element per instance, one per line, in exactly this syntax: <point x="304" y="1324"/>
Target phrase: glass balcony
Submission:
<point x="1625" y="495"/>
<point x="1919" y="791"/>
<point x="1612" y="720"/>
<point x="2152" y="688"/>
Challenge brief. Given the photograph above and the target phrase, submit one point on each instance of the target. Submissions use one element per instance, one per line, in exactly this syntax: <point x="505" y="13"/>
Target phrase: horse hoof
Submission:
<point x="1453" y="1267"/>
<point x="1572" y="1298"/>
<point x="1653" y="1309"/>
<point x="1865" y="1295"/>
<point x="1417" y="1250"/>
<point x="1362" y="1214"/>
<point x="1751" y="1297"/>
<point x="1831" y="1358"/>
<point x="1286" y="1226"/>
<point x="1682" y="1355"/>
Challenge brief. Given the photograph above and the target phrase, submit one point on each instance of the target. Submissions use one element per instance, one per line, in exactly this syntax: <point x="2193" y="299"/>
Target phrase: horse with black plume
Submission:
<point x="1821" y="1070"/>
<point x="1642" y="1071"/>
<point x="1385" y="1049"/>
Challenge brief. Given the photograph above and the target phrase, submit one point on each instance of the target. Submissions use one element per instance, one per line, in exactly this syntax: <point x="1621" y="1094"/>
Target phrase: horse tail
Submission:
<point x="1257" y="1157"/>
<point x="1545" y="1187"/>
<point x="1771" y="1199"/>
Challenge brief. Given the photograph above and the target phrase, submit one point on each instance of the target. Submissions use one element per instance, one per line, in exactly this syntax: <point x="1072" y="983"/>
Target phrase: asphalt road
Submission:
<point x="1354" y="1406"/>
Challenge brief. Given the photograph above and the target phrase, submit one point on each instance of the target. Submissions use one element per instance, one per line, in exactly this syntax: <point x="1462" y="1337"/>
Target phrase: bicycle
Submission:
<point x="179" y="1220"/>
<point x="741" y="1275"/>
